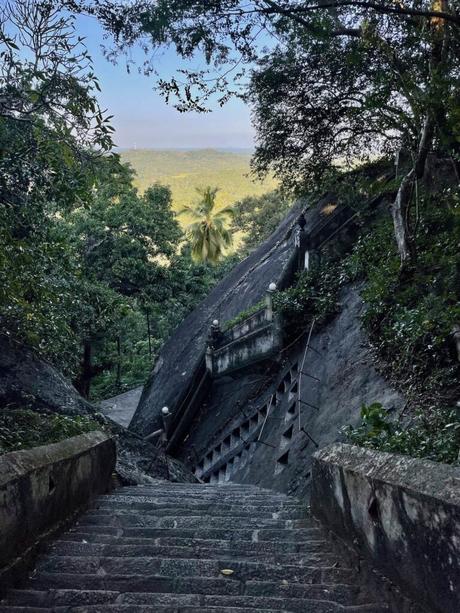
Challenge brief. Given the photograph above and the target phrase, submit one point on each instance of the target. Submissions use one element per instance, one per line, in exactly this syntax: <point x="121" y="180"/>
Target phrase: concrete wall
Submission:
<point x="42" y="487"/>
<point x="259" y="344"/>
<point x="400" y="513"/>
<point x="248" y="325"/>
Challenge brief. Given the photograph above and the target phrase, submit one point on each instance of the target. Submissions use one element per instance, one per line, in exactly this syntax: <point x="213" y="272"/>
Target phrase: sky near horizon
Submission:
<point x="142" y="119"/>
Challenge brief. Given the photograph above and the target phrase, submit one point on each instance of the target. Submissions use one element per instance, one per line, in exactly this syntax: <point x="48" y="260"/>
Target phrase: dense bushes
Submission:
<point x="433" y="434"/>
<point x="410" y="315"/>
<point x="23" y="428"/>
<point x="314" y="295"/>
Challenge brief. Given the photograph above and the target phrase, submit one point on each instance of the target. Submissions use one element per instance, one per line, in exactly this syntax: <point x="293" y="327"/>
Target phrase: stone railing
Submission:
<point x="401" y="514"/>
<point x="249" y="324"/>
<point x="41" y="488"/>
<point x="256" y="338"/>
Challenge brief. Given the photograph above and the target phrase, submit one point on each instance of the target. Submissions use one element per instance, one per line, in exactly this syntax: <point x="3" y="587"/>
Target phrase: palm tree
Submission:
<point x="208" y="232"/>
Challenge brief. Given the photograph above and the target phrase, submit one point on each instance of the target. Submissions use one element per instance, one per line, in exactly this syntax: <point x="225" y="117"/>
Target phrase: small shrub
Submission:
<point x="243" y="315"/>
<point x="432" y="434"/>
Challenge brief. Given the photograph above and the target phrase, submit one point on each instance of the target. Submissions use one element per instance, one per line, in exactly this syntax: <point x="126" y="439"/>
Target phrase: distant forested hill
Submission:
<point x="183" y="171"/>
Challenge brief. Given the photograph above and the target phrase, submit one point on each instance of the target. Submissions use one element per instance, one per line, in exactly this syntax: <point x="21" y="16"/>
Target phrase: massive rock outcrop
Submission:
<point x="28" y="380"/>
<point x="261" y="422"/>
<point x="243" y="287"/>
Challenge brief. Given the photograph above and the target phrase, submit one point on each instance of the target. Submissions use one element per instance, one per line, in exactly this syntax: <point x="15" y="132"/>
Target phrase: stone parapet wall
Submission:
<point x="257" y="345"/>
<point x="401" y="514"/>
<point x="248" y="325"/>
<point x="41" y="488"/>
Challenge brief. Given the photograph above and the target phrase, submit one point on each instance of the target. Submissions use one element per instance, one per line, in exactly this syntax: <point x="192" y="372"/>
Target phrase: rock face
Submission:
<point x="227" y="442"/>
<point x="26" y="379"/>
<point x="260" y="421"/>
<point x="243" y="287"/>
<point x="121" y="408"/>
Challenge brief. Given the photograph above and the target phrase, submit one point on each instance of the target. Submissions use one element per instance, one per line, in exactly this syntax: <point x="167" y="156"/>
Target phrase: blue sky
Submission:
<point x="142" y="118"/>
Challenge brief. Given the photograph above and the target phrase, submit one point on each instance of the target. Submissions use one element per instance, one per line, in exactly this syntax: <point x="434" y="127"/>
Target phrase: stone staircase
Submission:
<point x="180" y="548"/>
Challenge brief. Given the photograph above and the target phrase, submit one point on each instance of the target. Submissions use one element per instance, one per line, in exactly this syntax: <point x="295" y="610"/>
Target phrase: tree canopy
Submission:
<point x="332" y="83"/>
<point x="94" y="274"/>
<point x="208" y="232"/>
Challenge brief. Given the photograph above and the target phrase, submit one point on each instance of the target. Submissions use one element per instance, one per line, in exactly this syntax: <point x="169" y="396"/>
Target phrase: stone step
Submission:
<point x="179" y="501"/>
<point x="339" y="594"/>
<point x="168" y="486"/>
<point x="104" y="534"/>
<point x="150" y="511"/>
<point x="320" y="556"/>
<point x="143" y="565"/>
<point x="173" y="584"/>
<point x="167" y="507"/>
<point x="310" y="606"/>
<point x="203" y="494"/>
<point x="162" y="548"/>
<point x="191" y="521"/>
<point x="187" y="548"/>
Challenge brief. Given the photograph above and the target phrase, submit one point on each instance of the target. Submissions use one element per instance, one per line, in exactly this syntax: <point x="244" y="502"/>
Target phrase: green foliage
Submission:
<point x="208" y="233"/>
<point x="432" y="434"/>
<point x="52" y="133"/>
<point x="92" y="276"/>
<point x="23" y="428"/>
<point x="258" y="216"/>
<point x="243" y="315"/>
<point x="410" y="317"/>
<point x="313" y="296"/>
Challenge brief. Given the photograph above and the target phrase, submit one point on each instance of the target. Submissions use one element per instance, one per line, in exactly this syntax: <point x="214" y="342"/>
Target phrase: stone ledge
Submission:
<point x="400" y="513"/>
<point x="41" y="488"/>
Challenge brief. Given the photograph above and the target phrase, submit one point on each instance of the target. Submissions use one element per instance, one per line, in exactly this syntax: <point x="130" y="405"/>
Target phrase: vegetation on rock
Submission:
<point x="24" y="428"/>
<point x="433" y="434"/>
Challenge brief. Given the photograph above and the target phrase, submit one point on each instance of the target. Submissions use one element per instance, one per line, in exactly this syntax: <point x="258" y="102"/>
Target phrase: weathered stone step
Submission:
<point x="323" y="557"/>
<point x="188" y="546"/>
<point x="311" y="606"/>
<point x="190" y="521"/>
<point x="340" y="594"/>
<point x="221" y="487"/>
<point x="143" y="565"/>
<point x="204" y="494"/>
<point x="173" y="584"/>
<point x="148" y="510"/>
<point x="196" y="499"/>
<point x="162" y="549"/>
<point x="329" y="608"/>
<point x="142" y="504"/>
<point x="104" y="534"/>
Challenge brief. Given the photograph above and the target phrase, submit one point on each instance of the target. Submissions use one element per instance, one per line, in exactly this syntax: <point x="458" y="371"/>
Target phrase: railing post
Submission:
<point x="166" y="416"/>
<point x="208" y="359"/>
<point x="269" y="301"/>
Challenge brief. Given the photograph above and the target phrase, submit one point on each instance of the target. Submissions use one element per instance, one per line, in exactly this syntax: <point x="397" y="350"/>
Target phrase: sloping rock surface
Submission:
<point x="28" y="380"/>
<point x="242" y="288"/>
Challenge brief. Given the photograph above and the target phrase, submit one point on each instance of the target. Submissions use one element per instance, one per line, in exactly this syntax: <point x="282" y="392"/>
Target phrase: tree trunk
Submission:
<point x="401" y="205"/>
<point x="83" y="383"/>
<point x="118" y="381"/>
<point x="149" y="335"/>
